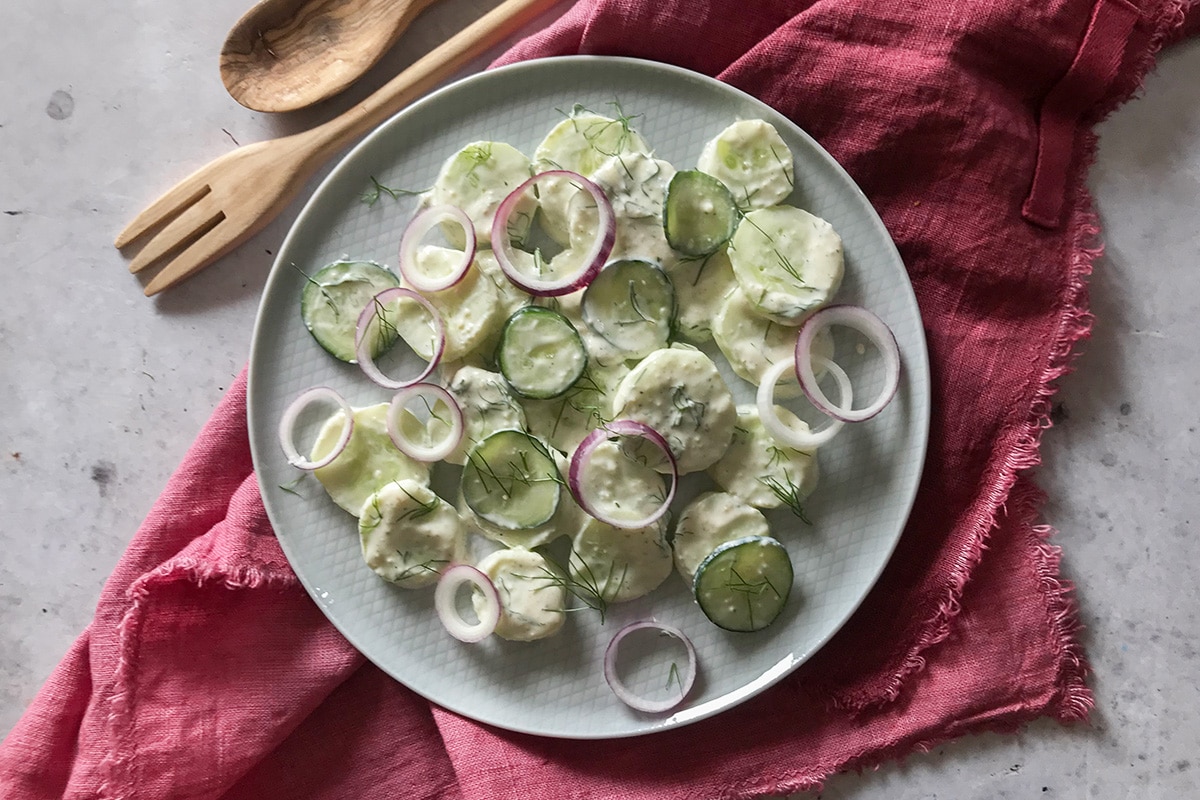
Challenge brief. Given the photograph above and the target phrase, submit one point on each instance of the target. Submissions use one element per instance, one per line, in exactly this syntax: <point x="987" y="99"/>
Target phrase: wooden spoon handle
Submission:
<point x="426" y="73"/>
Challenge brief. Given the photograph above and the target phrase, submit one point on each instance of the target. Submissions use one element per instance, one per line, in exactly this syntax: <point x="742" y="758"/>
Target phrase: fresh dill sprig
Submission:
<point x="585" y="586"/>
<point x="788" y="176"/>
<point x="368" y="523"/>
<point x="687" y="406"/>
<point x="371" y="196"/>
<point x="387" y="328"/>
<point x="788" y="493"/>
<point x="477" y="155"/>
<point x="674" y="677"/>
<point x="290" y="488"/>
<point x="329" y="301"/>
<point x="416" y="569"/>
<point x="422" y="509"/>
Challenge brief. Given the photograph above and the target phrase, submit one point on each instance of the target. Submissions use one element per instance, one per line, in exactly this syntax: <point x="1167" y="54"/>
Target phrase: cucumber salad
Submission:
<point x="556" y="346"/>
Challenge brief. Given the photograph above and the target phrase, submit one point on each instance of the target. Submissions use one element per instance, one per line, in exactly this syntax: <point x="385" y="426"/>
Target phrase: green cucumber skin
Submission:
<point x="732" y="617"/>
<point x="690" y="227"/>
<point x="321" y="292"/>
<point x="517" y="451"/>
<point x="510" y="350"/>
<point x="661" y="299"/>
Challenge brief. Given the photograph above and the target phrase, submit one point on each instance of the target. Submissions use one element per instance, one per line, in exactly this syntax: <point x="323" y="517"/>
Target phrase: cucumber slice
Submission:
<point x="631" y="304"/>
<point x="700" y="214"/>
<point x="476" y="179"/>
<point x="581" y="143"/>
<point x="332" y="300"/>
<point x="787" y="261"/>
<point x="511" y="481"/>
<point x="541" y="354"/>
<point x="743" y="585"/>
<point x="751" y="158"/>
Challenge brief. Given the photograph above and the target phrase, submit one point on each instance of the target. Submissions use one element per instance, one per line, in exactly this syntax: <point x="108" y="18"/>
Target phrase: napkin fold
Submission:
<point x="208" y="673"/>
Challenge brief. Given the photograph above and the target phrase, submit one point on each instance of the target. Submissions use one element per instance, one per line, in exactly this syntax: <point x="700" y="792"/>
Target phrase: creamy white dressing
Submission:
<point x="409" y="535"/>
<point x="619" y="487"/>
<point x="477" y="179"/>
<point x="488" y="405"/>
<point x="786" y="261"/>
<point x="565" y="421"/>
<point x="760" y="471"/>
<point x="680" y="394"/>
<point x="368" y="462"/>
<point x="620" y="564"/>
<point x="701" y="286"/>
<point x="542" y="347"/>
<point x="710" y="520"/>
<point x="751" y="158"/>
<point x="470" y="310"/>
<point x="580" y="143"/>
<point x="636" y="186"/>
<point x="532" y="600"/>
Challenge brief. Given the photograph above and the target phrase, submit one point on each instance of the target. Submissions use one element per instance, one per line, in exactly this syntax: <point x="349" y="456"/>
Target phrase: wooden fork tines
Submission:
<point x="230" y="199"/>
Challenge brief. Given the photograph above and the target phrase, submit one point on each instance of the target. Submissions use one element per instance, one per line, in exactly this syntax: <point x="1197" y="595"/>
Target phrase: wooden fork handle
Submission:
<point x="437" y="66"/>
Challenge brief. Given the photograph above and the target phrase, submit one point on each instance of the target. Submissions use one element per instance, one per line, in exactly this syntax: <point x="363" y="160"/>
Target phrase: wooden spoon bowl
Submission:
<point x="284" y="55"/>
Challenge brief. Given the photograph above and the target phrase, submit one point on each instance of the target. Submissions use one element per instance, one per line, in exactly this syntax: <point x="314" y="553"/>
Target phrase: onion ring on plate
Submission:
<point x="425" y="391"/>
<point x="583" y="453"/>
<point x="799" y="440"/>
<point x="375" y="308"/>
<point x="595" y="257"/>
<point x="869" y="325"/>
<point x="445" y="602"/>
<point x="287" y="425"/>
<point x="415" y="232"/>
<point x="622" y="691"/>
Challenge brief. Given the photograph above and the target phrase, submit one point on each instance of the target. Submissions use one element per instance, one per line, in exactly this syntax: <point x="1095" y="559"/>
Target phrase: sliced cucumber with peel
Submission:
<point x="700" y="214"/>
<point x="744" y="584"/>
<point x="332" y="300"/>
<point x="541" y="355"/>
<point x="631" y="304"/>
<point x="512" y="481"/>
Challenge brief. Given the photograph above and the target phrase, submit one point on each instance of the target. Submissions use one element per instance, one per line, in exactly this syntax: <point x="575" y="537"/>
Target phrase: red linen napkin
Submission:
<point x="208" y="673"/>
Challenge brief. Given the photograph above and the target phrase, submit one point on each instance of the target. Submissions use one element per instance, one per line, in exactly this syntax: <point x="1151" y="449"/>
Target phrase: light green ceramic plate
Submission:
<point x="556" y="687"/>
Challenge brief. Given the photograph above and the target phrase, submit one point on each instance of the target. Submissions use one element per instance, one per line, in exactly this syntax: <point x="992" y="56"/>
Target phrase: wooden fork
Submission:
<point x="230" y="199"/>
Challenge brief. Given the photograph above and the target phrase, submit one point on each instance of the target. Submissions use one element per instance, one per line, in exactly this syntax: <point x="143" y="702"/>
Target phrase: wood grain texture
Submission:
<point x="283" y="55"/>
<point x="230" y="199"/>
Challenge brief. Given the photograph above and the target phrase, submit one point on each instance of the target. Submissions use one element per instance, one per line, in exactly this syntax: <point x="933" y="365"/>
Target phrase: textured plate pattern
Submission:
<point x="555" y="688"/>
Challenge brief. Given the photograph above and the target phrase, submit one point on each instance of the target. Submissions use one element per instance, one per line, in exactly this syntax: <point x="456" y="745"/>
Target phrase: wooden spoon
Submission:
<point x="283" y="55"/>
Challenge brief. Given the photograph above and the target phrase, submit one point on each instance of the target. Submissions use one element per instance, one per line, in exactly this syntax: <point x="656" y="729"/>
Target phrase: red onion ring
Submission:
<point x="593" y="260"/>
<point x="445" y="602"/>
<point x="362" y="348"/>
<point x="287" y="425"/>
<point x="438" y="451"/>
<point x="623" y="693"/>
<point x="799" y="440"/>
<point x="869" y="325"/>
<point x="583" y="454"/>
<point x="421" y="225"/>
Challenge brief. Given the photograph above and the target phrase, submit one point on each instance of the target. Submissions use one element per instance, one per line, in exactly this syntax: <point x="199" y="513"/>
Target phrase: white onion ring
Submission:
<point x="422" y="224"/>
<point x="410" y="448"/>
<point x="362" y="347"/>
<point x="593" y="260"/>
<point x="287" y="424"/>
<point x="799" y="440"/>
<point x="623" y="693"/>
<point x="445" y="602"/>
<point x="583" y="453"/>
<point x="869" y="325"/>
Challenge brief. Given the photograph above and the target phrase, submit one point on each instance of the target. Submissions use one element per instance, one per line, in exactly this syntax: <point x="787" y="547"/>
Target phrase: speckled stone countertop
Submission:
<point x="103" y="106"/>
